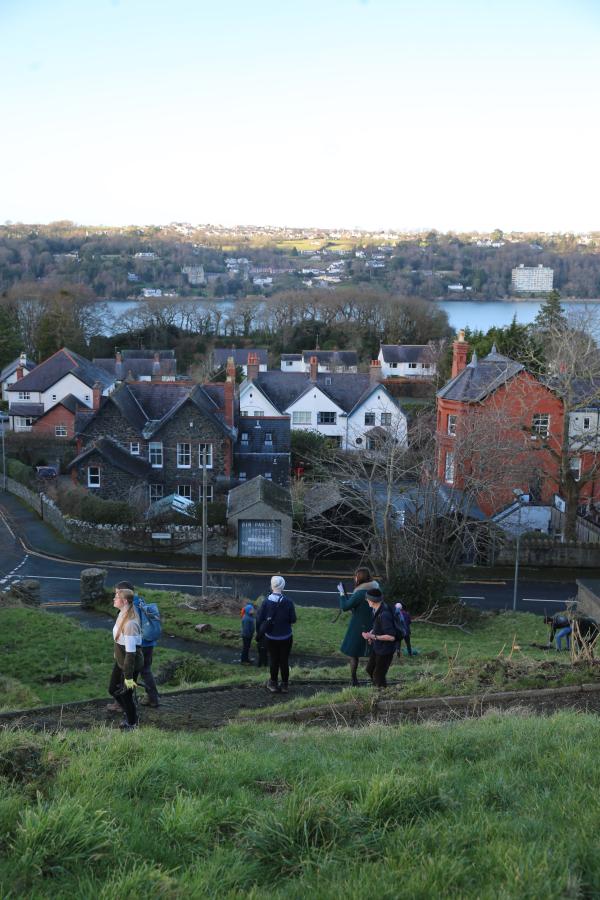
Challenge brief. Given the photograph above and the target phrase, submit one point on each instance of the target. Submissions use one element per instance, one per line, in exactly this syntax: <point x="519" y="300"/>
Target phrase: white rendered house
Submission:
<point x="407" y="361"/>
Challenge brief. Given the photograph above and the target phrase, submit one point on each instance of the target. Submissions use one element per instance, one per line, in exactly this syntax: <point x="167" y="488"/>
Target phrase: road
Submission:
<point x="60" y="581"/>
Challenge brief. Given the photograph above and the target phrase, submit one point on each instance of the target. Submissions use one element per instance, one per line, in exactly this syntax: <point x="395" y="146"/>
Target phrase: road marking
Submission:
<point x="4" y="520"/>
<point x="52" y="578"/>
<point x="61" y="603"/>
<point x="535" y="600"/>
<point x="471" y="598"/>
<point x="212" y="587"/>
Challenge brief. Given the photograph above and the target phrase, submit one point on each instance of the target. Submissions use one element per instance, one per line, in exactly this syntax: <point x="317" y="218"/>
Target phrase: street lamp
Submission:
<point x="3" y="455"/>
<point x="519" y="495"/>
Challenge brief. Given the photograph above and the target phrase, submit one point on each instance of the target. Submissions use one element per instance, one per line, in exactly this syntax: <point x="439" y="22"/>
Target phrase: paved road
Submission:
<point x="60" y="578"/>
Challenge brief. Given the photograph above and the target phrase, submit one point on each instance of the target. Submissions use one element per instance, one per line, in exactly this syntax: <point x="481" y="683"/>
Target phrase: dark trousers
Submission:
<point x="246" y="642"/>
<point x="408" y="647"/>
<point x="377" y="668"/>
<point x="125" y="698"/>
<point x="147" y="676"/>
<point x="263" y="656"/>
<point x="279" y="653"/>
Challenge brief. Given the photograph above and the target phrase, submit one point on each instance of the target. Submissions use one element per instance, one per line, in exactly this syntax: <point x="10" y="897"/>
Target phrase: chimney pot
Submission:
<point x="460" y="350"/>
<point x="314" y="368"/>
<point x="253" y="366"/>
<point x="375" y="371"/>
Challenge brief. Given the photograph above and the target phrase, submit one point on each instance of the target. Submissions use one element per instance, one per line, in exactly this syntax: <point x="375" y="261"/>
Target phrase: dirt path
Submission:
<point x="189" y="710"/>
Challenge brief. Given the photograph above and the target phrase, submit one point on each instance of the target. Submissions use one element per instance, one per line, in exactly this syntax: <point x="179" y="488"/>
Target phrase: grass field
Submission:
<point x="503" y="807"/>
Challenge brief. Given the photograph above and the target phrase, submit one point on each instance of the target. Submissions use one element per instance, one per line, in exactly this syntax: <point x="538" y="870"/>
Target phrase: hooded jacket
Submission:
<point x="282" y="613"/>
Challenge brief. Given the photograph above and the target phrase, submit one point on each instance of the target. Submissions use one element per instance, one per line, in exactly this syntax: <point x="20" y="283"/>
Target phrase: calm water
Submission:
<point x="475" y="314"/>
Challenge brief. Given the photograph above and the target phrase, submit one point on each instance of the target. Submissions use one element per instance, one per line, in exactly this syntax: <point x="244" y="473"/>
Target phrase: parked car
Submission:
<point x="46" y="471"/>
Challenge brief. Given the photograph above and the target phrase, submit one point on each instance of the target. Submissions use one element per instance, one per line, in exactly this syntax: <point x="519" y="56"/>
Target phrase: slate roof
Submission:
<point x="12" y="367"/>
<point x="137" y="368"/>
<point x="295" y="357"/>
<point x="240" y="356"/>
<point x="61" y="363"/>
<point x="26" y="409"/>
<point x="147" y="354"/>
<point x="117" y="456"/>
<point x="259" y="490"/>
<point x="346" y="390"/>
<point x="254" y="429"/>
<point x="332" y="357"/>
<point x="70" y="403"/>
<point x="406" y="353"/>
<point x="481" y="377"/>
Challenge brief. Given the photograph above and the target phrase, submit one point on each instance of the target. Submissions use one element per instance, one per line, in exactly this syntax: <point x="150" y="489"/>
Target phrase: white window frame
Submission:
<point x="301" y="417"/>
<point x="257" y="412"/>
<point x="210" y="493"/>
<point x="326" y="412"/>
<point x="134" y="448"/>
<point x="268" y="476"/>
<point x="244" y="438"/>
<point x="155" y="492"/>
<point x="575" y="467"/>
<point x="184" y="490"/>
<point x="541" y="424"/>
<point x="412" y="365"/>
<point x="241" y="476"/>
<point x="205" y="449"/>
<point x="587" y="423"/>
<point x="60" y="431"/>
<point x="155" y="448"/>
<point x="24" y="395"/>
<point x="386" y="418"/>
<point x="269" y="438"/>
<point x="452" y="425"/>
<point x="449" y="465"/>
<point x="54" y="396"/>
<point x="371" y="419"/>
<point x="95" y="483"/>
<point x="184" y="454"/>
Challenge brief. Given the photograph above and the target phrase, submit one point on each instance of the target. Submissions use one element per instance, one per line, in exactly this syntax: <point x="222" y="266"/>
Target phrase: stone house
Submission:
<point x="107" y="470"/>
<point x="259" y="516"/>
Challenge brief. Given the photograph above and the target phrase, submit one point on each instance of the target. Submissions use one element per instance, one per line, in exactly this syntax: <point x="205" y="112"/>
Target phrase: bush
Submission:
<point x="19" y="472"/>
<point x="74" y="501"/>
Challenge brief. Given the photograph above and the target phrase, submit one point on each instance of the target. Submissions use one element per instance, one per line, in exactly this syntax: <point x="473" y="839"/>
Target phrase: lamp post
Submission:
<point x="204" y="525"/>
<point x="518" y="494"/>
<point x="3" y="457"/>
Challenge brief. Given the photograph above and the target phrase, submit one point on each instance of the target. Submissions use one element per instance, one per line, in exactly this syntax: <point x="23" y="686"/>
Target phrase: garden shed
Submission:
<point x="259" y="516"/>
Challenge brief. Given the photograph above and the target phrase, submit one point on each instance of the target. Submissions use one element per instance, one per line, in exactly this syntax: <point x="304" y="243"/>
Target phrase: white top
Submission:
<point x="131" y="635"/>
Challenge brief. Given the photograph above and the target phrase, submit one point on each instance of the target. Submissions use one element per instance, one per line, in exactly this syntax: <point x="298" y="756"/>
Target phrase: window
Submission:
<point x="60" y="430"/>
<point x="258" y="412"/>
<point x="325" y="418"/>
<point x="575" y="467"/>
<point x="205" y="455"/>
<point x="328" y="381"/>
<point x="268" y="475"/>
<point x="587" y="423"/>
<point x="289" y="362"/>
<point x="386" y="418"/>
<point x="451" y="424"/>
<point x="268" y="437"/>
<point x="134" y="448"/>
<point x="24" y="395"/>
<point x="87" y="398"/>
<point x="412" y="365"/>
<point x="301" y="418"/>
<point x="26" y="422"/>
<point x="369" y="418"/>
<point x="244" y="438"/>
<point x="54" y="396"/>
<point x="93" y="476"/>
<point x="155" y="454"/>
<point x="425" y="365"/>
<point x="541" y="424"/>
<point x="245" y="412"/>
<point x="184" y="490"/>
<point x="449" y="468"/>
<point x="334" y="441"/>
<point x="242" y="476"/>
<point x="371" y="443"/>
<point x="156" y="492"/>
<point x="209" y="493"/>
<point x="394" y="365"/>
<point x="184" y="456"/>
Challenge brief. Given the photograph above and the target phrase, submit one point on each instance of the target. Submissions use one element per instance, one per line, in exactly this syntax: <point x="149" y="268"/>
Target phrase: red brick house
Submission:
<point x="498" y="429"/>
<point x="59" y="421"/>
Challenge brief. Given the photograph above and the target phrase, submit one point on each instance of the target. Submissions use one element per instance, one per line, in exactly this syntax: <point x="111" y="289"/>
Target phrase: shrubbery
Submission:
<point x="74" y="501"/>
<point x="18" y="471"/>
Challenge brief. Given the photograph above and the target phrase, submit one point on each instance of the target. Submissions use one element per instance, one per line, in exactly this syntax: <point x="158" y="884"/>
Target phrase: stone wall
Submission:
<point x="548" y="553"/>
<point x="31" y="498"/>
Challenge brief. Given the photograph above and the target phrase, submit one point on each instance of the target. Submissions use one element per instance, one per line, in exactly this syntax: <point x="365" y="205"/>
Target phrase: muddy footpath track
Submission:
<point x="189" y="710"/>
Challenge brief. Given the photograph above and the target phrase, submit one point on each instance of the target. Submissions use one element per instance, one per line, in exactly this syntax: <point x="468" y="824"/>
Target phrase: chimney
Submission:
<point x="460" y="349"/>
<point x="253" y="366"/>
<point x="313" y="368"/>
<point x="229" y="392"/>
<point x="23" y="359"/>
<point x="118" y="357"/>
<point x="156" y="367"/>
<point x="375" y="371"/>
<point x="96" y="395"/>
<point x="19" y="373"/>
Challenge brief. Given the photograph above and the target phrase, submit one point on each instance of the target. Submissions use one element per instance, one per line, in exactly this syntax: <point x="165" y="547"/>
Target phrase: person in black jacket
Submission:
<point x="381" y="638"/>
<point x="274" y="622"/>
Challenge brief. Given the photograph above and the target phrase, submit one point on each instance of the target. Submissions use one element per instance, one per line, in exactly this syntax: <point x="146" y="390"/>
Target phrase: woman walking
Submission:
<point x="275" y="619"/>
<point x="127" y="634"/>
<point x="354" y="645"/>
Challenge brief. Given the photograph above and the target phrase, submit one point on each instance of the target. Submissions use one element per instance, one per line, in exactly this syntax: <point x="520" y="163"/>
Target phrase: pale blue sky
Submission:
<point x="367" y="113"/>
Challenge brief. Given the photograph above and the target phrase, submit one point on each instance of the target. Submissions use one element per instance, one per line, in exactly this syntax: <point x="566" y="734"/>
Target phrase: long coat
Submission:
<point x="361" y="620"/>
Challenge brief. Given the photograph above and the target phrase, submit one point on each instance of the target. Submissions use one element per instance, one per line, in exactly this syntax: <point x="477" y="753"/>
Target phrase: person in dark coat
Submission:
<point x="248" y="615"/>
<point x="406" y="620"/>
<point x="381" y="638"/>
<point x="354" y="645"/>
<point x="275" y="619"/>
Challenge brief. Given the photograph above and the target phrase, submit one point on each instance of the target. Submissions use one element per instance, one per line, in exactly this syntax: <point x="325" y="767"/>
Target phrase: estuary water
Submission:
<point x="478" y="314"/>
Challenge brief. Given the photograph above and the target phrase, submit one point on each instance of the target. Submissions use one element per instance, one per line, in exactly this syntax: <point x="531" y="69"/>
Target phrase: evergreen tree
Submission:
<point x="550" y="315"/>
<point x="10" y="336"/>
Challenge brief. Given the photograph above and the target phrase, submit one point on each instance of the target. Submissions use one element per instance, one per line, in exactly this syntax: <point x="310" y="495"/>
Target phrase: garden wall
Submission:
<point x="548" y="552"/>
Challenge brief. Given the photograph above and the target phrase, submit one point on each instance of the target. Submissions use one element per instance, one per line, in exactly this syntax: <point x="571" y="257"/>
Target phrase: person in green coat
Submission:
<point x="354" y="645"/>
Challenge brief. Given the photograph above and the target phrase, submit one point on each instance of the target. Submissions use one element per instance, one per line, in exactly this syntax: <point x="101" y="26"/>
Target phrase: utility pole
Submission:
<point x="2" y="426"/>
<point x="204" y="524"/>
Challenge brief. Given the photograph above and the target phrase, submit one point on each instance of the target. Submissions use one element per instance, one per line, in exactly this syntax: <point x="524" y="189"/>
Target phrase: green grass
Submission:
<point x="47" y="659"/>
<point x="503" y="807"/>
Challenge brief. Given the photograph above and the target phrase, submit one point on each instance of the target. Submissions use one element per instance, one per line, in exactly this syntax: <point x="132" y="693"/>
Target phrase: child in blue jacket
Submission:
<point x="248" y="625"/>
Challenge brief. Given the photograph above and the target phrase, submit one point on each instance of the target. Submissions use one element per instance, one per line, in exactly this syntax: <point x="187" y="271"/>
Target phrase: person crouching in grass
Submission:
<point x="127" y="634"/>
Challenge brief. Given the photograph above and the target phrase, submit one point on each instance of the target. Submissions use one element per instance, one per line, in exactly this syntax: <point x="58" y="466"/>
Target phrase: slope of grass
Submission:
<point x="477" y="809"/>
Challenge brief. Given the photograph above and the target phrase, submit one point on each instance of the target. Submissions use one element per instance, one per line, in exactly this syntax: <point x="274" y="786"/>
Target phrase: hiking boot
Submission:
<point x="125" y="726"/>
<point x="354" y="683"/>
<point x="273" y="687"/>
<point x="284" y="687"/>
<point x="146" y="701"/>
<point x="114" y="707"/>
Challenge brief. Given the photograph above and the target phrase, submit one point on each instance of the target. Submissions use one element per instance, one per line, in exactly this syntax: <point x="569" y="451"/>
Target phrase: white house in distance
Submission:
<point x="407" y="361"/>
<point x="327" y="360"/>
<point x="241" y="358"/>
<point x="62" y="374"/>
<point x="532" y="279"/>
<point x="354" y="410"/>
<point x="10" y="373"/>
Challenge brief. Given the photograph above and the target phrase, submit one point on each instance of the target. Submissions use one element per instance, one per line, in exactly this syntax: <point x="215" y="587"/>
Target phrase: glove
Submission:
<point x="130" y="683"/>
<point x="341" y="589"/>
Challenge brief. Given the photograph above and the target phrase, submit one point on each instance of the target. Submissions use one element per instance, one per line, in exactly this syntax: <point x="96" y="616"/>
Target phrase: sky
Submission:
<point x="374" y="114"/>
